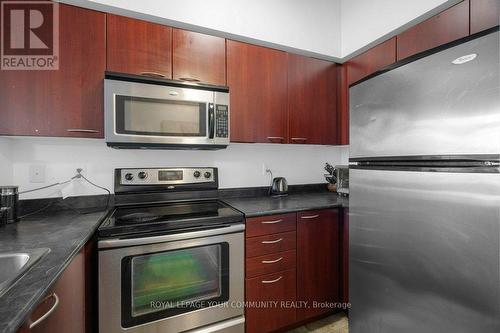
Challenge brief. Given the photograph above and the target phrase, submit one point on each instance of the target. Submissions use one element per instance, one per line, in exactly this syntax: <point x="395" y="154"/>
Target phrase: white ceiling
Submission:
<point x="330" y="29"/>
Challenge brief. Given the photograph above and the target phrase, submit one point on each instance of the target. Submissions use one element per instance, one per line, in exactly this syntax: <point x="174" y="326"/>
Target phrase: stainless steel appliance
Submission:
<point x="279" y="186"/>
<point x="170" y="255"/>
<point x="425" y="194"/>
<point x="145" y="112"/>
<point x="9" y="200"/>
<point x="342" y="174"/>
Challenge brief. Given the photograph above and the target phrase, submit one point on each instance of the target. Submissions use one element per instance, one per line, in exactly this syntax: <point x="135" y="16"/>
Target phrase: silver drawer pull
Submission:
<point x="276" y="138"/>
<point x="272" y="261"/>
<point x="48" y="313"/>
<point x="189" y="79"/>
<point x="273" y="241"/>
<point x="310" y="217"/>
<point x="299" y="139"/>
<point x="272" y="281"/>
<point x="272" y="222"/>
<point x="81" y="130"/>
<point x="154" y="74"/>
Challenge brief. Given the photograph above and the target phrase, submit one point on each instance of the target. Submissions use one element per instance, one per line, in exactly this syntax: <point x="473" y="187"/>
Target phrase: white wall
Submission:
<point x="5" y="161"/>
<point x="312" y="25"/>
<point x="364" y="22"/>
<point x="239" y="166"/>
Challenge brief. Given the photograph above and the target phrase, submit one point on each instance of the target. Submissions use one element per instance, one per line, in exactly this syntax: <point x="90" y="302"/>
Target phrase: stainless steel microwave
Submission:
<point x="145" y="112"/>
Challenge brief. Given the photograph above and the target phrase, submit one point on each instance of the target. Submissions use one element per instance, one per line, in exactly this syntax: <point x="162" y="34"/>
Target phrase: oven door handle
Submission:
<point x="117" y="242"/>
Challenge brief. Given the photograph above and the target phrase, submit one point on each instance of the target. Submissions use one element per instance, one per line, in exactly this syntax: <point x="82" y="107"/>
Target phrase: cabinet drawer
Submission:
<point x="270" y="263"/>
<point x="278" y="287"/>
<point x="314" y="215"/>
<point x="259" y="246"/>
<point x="271" y="224"/>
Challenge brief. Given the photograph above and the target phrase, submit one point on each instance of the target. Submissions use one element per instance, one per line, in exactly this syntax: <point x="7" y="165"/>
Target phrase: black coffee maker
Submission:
<point x="9" y="199"/>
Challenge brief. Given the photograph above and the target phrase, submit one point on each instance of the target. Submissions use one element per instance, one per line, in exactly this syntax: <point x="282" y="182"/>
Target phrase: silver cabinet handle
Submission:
<point x="272" y="222"/>
<point x="153" y="74"/>
<point x="270" y="138"/>
<point x="82" y="130"/>
<point x="48" y="313"/>
<point x="299" y="139"/>
<point x="189" y="79"/>
<point x="272" y="281"/>
<point x="273" y="241"/>
<point x="272" y="261"/>
<point x="310" y="217"/>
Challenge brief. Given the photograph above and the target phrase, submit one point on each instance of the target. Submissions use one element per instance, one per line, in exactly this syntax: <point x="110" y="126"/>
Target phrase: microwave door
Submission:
<point x="153" y="115"/>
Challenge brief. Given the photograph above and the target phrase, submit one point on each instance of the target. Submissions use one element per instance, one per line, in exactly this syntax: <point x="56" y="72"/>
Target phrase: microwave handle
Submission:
<point x="211" y="121"/>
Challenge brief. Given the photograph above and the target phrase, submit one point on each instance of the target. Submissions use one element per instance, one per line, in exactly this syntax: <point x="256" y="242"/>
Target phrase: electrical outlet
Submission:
<point x="37" y="173"/>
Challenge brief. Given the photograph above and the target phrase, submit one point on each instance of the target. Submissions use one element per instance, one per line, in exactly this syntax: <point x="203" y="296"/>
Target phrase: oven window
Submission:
<point x="163" y="117"/>
<point x="164" y="284"/>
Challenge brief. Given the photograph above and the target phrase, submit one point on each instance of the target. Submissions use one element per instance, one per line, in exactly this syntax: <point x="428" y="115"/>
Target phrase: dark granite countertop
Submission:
<point x="266" y="205"/>
<point x="65" y="233"/>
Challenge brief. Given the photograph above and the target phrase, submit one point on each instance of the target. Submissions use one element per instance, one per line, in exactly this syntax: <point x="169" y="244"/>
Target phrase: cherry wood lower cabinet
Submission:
<point x="317" y="261"/>
<point x="270" y="293"/>
<point x="484" y="14"/>
<point x="312" y="104"/>
<point x="138" y="47"/>
<point x="67" y="102"/>
<point x="289" y="258"/>
<point x="73" y="291"/>
<point x="345" y="256"/>
<point x="440" y="29"/>
<point x="198" y="57"/>
<point x="257" y="80"/>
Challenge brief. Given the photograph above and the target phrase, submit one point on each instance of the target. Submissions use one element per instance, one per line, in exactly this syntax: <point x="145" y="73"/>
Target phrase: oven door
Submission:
<point x="184" y="282"/>
<point x="143" y="115"/>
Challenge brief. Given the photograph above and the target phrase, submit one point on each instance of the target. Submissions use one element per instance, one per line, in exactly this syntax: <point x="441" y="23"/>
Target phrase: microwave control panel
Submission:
<point x="221" y="120"/>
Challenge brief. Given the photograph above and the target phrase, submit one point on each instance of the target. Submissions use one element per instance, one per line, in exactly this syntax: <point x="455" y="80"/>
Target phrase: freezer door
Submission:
<point x="431" y="106"/>
<point x="424" y="252"/>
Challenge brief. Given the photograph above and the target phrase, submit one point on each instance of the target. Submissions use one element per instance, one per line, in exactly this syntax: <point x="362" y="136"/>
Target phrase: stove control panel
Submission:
<point x="167" y="176"/>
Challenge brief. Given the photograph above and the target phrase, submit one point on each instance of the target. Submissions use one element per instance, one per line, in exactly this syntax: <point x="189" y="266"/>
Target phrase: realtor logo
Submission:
<point x="30" y="35"/>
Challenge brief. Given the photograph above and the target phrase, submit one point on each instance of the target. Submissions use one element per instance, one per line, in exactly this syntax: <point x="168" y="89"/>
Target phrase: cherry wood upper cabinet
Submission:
<point x="372" y="60"/>
<point x="198" y="57"/>
<point x="343" y="105"/>
<point x="138" y="47"/>
<point x="256" y="77"/>
<point x="484" y="14"/>
<point x="63" y="102"/>
<point x="312" y="90"/>
<point x="317" y="260"/>
<point x="440" y="29"/>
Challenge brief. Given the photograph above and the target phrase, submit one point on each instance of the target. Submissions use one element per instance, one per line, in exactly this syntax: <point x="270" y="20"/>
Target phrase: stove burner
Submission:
<point x="139" y="217"/>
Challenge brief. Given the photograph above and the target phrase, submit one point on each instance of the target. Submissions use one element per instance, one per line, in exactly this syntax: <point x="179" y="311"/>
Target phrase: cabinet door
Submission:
<point x="484" y="14"/>
<point x="345" y="256"/>
<point x="257" y="81"/>
<point x="343" y="105"/>
<point x="198" y="57"/>
<point x="312" y="90"/>
<point x="317" y="260"/>
<point x="277" y="287"/>
<point x="440" y="29"/>
<point x="138" y="47"/>
<point x="372" y="60"/>
<point x="63" y="102"/>
<point x="69" y="314"/>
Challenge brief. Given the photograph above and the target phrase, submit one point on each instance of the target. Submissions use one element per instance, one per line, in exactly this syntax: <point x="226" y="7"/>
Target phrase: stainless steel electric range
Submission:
<point x="171" y="255"/>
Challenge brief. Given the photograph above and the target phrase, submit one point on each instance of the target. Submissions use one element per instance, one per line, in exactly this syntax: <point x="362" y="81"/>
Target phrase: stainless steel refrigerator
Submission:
<point x="425" y="194"/>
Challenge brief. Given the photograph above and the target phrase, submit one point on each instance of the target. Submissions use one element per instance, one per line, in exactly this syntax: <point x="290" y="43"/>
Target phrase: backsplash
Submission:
<point x="240" y="165"/>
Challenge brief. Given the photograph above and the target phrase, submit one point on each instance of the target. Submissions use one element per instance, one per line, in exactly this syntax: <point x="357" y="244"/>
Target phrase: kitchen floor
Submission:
<point x="336" y="323"/>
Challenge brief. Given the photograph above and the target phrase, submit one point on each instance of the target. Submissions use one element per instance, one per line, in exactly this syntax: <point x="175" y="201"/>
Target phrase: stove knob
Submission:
<point x="129" y="176"/>
<point x="207" y="174"/>
<point x="196" y="174"/>
<point x="142" y="175"/>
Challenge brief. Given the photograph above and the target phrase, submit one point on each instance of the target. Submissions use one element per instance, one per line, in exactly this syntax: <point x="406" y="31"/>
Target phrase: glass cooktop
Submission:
<point x="167" y="217"/>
